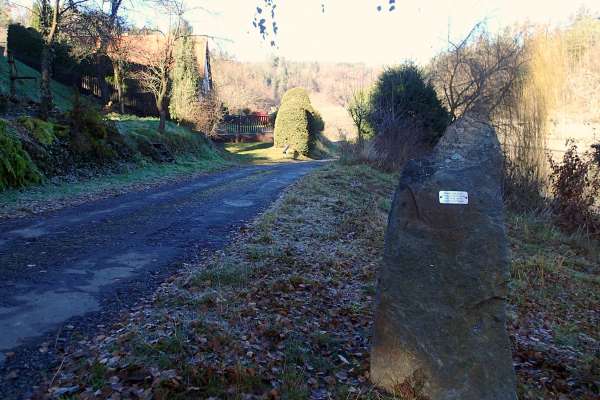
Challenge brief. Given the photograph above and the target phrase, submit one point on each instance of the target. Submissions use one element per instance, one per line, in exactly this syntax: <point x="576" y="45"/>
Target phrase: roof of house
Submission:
<point x="142" y="45"/>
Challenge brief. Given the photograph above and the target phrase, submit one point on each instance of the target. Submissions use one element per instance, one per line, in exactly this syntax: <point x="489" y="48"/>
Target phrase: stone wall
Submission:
<point x="440" y="318"/>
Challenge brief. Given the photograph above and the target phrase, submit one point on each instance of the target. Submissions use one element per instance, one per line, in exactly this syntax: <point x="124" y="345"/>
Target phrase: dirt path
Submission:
<point x="65" y="274"/>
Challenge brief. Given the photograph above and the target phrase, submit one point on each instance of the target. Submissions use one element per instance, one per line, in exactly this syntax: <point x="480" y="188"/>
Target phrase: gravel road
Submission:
<point x="67" y="274"/>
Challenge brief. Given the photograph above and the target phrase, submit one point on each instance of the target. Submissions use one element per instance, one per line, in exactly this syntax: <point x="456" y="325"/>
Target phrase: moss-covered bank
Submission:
<point x="16" y="167"/>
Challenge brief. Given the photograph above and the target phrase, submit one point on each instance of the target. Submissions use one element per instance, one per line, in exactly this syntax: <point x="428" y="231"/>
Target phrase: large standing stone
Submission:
<point x="440" y="319"/>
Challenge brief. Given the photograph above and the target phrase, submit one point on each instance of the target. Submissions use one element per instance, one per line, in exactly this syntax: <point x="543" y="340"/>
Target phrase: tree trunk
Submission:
<point x="119" y="84"/>
<point x="162" y="120"/>
<point x="160" y="102"/>
<point x="46" y="74"/>
<point x="162" y="112"/>
<point x="102" y="84"/>
<point x="47" y="60"/>
<point x="12" y="72"/>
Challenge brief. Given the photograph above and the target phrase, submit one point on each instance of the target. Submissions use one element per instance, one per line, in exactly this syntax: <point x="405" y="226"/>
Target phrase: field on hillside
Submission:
<point x="338" y="124"/>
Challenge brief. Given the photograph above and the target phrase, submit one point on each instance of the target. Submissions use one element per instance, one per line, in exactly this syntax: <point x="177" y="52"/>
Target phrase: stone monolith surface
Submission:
<point x="440" y="318"/>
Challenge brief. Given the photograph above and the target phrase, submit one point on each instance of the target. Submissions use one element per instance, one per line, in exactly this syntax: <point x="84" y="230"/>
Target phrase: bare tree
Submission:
<point x="108" y="28"/>
<point x="118" y="51"/>
<point x="97" y="34"/>
<point x="478" y="72"/>
<point x="155" y="77"/>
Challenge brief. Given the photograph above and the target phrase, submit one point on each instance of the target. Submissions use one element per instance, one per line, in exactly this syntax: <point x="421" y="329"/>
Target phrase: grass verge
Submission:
<point x="265" y="153"/>
<point x="256" y="152"/>
<point x="193" y="154"/>
<point x="286" y="312"/>
<point x="53" y="196"/>
<point x="555" y="310"/>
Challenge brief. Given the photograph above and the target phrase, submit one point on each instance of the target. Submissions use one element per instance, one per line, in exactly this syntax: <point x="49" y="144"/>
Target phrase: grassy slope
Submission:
<point x="29" y="89"/>
<point x="335" y="116"/>
<point x="287" y="310"/>
<point x="137" y="176"/>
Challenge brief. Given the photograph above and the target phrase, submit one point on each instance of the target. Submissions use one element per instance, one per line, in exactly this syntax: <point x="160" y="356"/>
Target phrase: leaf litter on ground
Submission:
<point x="285" y="312"/>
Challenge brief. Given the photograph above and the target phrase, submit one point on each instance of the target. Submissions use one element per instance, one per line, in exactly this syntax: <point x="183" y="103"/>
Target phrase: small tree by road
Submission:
<point x="159" y="60"/>
<point x="359" y="108"/>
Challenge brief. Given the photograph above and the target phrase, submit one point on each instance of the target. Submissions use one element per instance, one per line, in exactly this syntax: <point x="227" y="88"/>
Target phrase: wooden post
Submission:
<point x="12" y="71"/>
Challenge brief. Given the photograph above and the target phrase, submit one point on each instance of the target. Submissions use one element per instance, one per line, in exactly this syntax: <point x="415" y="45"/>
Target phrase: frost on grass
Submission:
<point x="286" y="311"/>
<point x="555" y="298"/>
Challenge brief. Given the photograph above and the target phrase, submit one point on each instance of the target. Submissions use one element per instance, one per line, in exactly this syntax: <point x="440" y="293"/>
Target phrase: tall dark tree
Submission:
<point x="54" y="16"/>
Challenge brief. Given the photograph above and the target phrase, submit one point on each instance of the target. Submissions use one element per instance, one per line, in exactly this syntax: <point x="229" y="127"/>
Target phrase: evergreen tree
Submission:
<point x="185" y="77"/>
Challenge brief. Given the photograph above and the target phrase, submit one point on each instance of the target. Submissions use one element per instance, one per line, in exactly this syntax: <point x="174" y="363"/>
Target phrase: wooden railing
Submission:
<point x="235" y="125"/>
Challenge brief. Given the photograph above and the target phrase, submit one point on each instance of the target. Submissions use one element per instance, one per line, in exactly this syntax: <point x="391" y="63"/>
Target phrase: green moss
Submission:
<point x="61" y="131"/>
<point x="16" y="167"/>
<point x="42" y="131"/>
<point x="86" y="119"/>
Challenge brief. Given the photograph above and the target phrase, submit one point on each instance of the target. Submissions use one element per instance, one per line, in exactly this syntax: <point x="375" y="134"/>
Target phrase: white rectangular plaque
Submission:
<point x="453" y="197"/>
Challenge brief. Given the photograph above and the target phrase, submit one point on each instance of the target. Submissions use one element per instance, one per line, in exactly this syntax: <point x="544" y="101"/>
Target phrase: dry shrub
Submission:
<point x="575" y="187"/>
<point x="206" y="114"/>
<point x="523" y="189"/>
<point x="477" y="73"/>
<point x="395" y="144"/>
<point x="557" y="79"/>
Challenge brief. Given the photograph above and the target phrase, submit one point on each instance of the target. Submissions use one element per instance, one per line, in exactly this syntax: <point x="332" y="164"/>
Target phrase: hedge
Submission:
<point x="297" y="123"/>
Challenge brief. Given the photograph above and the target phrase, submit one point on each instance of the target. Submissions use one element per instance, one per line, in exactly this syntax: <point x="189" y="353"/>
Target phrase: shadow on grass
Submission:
<point x="254" y="152"/>
<point x="265" y="152"/>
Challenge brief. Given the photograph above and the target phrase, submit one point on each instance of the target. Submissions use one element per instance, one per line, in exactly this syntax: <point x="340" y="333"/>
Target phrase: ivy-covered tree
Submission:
<point x="185" y="77"/>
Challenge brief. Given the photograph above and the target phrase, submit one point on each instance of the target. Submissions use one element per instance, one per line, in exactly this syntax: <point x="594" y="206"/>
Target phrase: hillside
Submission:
<point x="73" y="147"/>
<point x="28" y="90"/>
<point x="338" y="123"/>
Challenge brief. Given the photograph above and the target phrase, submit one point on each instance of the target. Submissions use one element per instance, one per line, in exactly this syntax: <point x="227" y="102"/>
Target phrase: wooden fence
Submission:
<point x="139" y="103"/>
<point x="246" y="126"/>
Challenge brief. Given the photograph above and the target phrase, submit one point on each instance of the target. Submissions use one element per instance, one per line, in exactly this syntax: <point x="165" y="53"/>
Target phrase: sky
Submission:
<point x="353" y="30"/>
